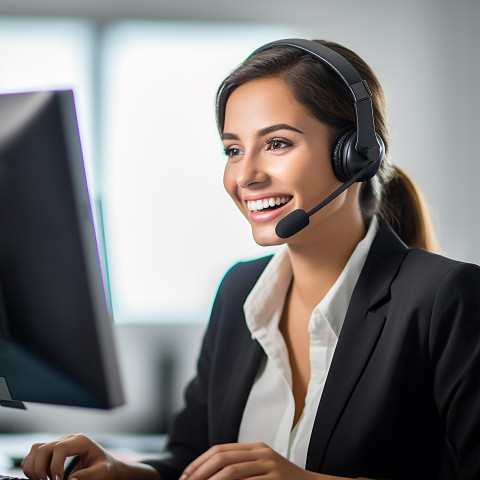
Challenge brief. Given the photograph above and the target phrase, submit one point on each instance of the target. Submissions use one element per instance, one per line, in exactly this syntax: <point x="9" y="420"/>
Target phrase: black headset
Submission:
<point x="359" y="147"/>
<point x="358" y="152"/>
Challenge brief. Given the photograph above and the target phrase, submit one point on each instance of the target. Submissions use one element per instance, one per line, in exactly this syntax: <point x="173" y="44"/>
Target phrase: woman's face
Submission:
<point x="278" y="159"/>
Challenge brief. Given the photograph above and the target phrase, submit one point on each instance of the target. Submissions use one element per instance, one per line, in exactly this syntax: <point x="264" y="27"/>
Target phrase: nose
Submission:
<point x="251" y="171"/>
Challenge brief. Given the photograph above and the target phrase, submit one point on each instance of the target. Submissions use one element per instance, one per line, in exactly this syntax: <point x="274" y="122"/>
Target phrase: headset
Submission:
<point x="358" y="152"/>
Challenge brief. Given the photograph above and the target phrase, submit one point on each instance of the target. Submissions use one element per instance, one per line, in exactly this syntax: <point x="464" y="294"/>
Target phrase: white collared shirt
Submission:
<point x="270" y="408"/>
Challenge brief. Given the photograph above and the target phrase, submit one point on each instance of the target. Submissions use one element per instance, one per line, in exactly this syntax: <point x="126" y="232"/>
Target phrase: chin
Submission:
<point x="267" y="238"/>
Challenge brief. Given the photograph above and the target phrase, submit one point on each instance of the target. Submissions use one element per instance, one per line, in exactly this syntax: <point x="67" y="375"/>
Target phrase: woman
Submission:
<point x="347" y="354"/>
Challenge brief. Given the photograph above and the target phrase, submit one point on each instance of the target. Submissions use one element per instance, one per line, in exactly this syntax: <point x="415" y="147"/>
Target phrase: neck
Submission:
<point x="318" y="260"/>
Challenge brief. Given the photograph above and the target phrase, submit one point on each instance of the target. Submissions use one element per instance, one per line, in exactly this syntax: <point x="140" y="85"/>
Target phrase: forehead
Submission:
<point x="262" y="102"/>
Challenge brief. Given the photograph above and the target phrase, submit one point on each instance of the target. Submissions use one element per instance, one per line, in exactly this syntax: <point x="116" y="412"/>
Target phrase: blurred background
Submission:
<point x="144" y="74"/>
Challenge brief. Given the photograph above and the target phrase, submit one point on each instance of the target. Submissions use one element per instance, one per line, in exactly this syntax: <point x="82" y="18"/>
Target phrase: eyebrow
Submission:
<point x="264" y="131"/>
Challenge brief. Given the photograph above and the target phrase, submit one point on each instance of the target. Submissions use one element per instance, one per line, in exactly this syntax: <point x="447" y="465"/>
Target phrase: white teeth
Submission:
<point x="255" y="205"/>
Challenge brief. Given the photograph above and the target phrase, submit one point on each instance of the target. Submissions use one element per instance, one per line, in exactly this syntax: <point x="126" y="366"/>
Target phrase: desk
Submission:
<point x="130" y="448"/>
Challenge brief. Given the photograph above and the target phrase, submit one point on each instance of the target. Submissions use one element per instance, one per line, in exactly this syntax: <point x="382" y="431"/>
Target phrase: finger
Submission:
<point x="41" y="462"/>
<point x="98" y="471"/>
<point x="221" y="458"/>
<point x="214" y="451"/>
<point x="28" y="463"/>
<point x="62" y="451"/>
<point x="73" y="465"/>
<point x="37" y="464"/>
<point x="244" y="471"/>
<point x="78" y="446"/>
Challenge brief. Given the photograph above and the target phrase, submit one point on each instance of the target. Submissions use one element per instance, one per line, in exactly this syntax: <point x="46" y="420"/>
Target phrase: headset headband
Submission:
<point x="366" y="142"/>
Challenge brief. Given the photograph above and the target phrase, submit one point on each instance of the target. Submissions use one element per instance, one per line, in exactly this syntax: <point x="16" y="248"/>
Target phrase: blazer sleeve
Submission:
<point x="188" y="432"/>
<point x="455" y="356"/>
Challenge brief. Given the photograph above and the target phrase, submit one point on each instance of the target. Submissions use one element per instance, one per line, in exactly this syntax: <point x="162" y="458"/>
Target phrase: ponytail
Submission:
<point x="404" y="207"/>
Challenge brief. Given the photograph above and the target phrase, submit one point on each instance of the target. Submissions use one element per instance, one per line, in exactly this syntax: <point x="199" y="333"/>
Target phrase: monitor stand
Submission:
<point x="5" y="397"/>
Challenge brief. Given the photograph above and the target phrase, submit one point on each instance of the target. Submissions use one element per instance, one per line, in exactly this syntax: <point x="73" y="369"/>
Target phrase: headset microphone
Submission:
<point x="299" y="219"/>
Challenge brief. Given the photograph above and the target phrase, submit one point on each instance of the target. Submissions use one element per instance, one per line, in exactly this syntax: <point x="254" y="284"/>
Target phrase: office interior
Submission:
<point x="144" y="75"/>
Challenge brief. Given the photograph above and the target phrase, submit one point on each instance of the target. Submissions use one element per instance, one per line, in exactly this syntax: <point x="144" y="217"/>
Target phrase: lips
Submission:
<point x="263" y="209"/>
<point x="267" y="203"/>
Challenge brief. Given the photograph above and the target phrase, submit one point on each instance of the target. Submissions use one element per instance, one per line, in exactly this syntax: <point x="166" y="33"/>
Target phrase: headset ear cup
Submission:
<point x="347" y="162"/>
<point x="340" y="154"/>
<point x="379" y="153"/>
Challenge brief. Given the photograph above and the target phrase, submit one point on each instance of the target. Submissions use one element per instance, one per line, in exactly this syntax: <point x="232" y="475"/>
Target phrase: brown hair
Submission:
<point x="391" y="193"/>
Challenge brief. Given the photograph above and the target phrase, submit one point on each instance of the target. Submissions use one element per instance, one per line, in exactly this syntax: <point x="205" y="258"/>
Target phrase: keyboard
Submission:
<point x="7" y="477"/>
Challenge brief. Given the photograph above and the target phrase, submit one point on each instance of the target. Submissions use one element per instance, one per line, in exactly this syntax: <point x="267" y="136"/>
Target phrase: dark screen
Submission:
<point x="56" y="334"/>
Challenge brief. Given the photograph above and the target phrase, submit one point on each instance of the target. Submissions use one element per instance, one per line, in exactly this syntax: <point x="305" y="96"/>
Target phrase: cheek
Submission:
<point x="230" y="184"/>
<point x="313" y="176"/>
<point x="227" y="180"/>
<point x="317" y="184"/>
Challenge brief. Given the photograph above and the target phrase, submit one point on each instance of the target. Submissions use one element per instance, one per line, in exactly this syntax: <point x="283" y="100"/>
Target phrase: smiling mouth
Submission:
<point x="268" y="204"/>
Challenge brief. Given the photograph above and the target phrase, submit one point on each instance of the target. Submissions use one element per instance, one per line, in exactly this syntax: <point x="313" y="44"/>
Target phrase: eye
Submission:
<point x="278" y="144"/>
<point x="232" y="152"/>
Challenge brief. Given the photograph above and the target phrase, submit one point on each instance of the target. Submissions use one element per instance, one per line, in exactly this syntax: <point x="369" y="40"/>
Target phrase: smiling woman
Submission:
<point x="276" y="149"/>
<point x="353" y="351"/>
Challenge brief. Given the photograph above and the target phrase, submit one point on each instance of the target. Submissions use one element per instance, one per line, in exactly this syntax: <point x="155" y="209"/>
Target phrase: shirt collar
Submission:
<point x="334" y="305"/>
<point x="267" y="297"/>
<point x="264" y="304"/>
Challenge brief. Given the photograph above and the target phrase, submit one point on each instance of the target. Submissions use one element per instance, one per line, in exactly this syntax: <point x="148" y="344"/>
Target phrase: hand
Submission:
<point x="46" y="460"/>
<point x="244" y="461"/>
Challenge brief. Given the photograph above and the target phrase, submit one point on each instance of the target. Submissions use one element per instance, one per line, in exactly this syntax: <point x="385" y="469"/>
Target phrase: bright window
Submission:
<point x="50" y="54"/>
<point x="171" y="230"/>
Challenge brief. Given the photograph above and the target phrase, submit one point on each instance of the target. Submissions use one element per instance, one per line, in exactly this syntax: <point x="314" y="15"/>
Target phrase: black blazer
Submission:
<point x="402" y="397"/>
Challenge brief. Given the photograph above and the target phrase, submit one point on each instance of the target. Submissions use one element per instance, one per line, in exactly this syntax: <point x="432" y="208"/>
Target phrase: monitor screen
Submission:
<point x="56" y="331"/>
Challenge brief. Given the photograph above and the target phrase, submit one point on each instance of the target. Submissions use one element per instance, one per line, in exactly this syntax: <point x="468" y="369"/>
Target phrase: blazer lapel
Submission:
<point x="235" y="357"/>
<point x="360" y="332"/>
<point x="237" y="380"/>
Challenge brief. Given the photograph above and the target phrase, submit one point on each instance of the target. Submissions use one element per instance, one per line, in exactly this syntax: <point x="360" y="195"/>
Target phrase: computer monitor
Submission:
<point x="56" y="331"/>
